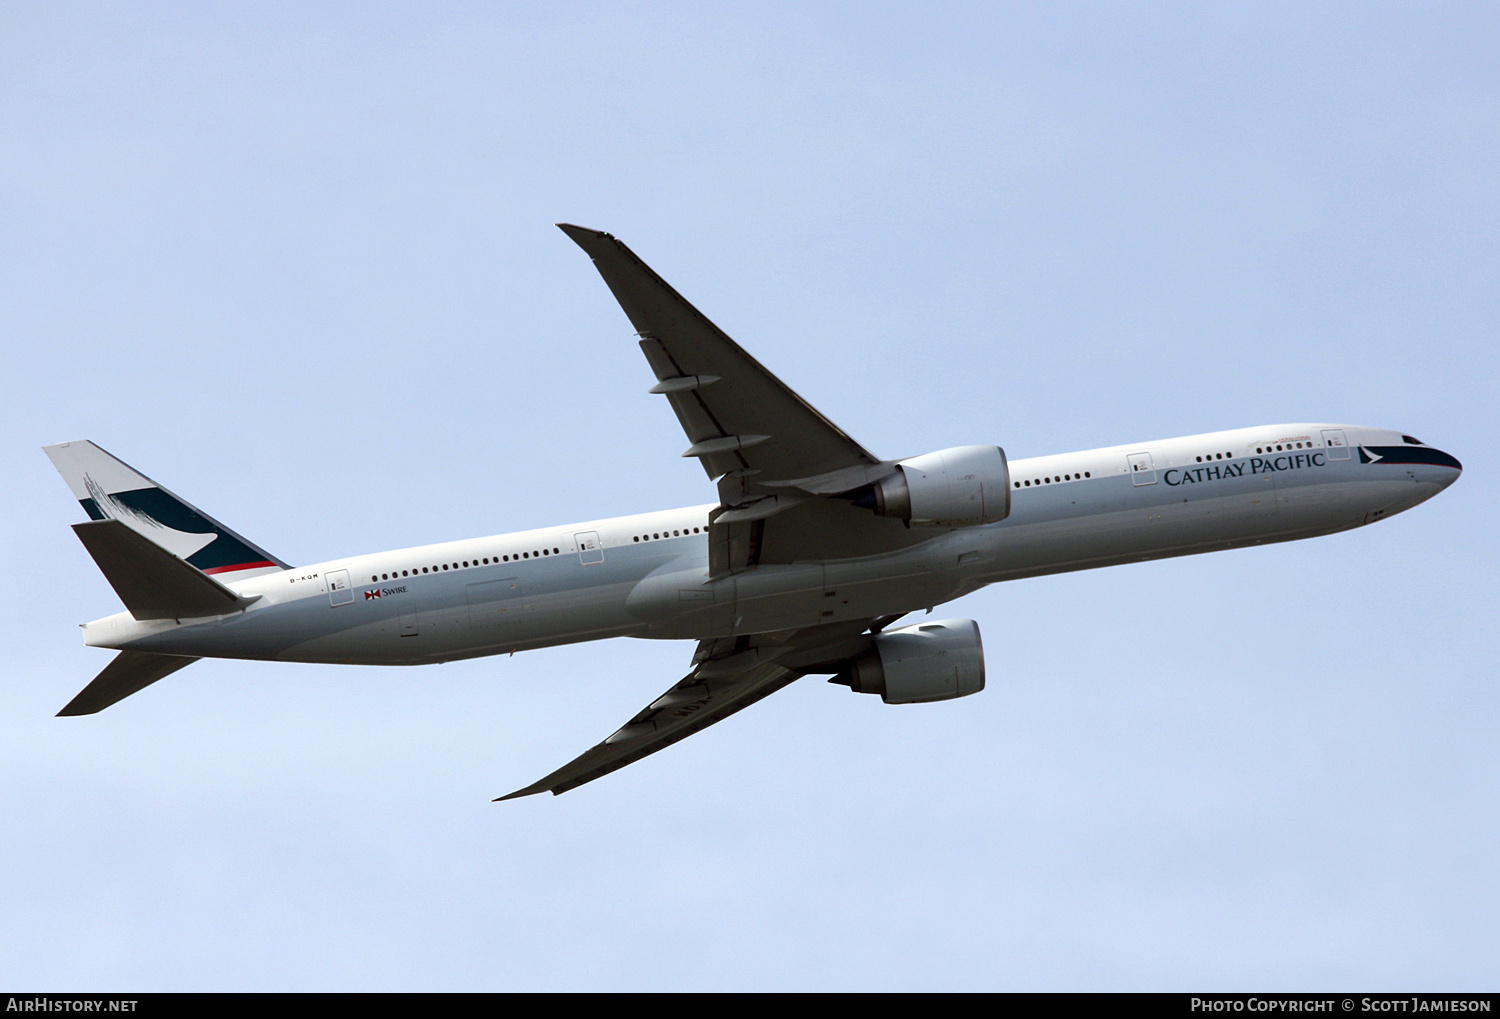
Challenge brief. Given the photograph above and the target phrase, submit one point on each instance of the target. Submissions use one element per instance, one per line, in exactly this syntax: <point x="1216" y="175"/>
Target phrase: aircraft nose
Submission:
<point x="1435" y="464"/>
<point x="1425" y="464"/>
<point x="1448" y="460"/>
<point x="1435" y="467"/>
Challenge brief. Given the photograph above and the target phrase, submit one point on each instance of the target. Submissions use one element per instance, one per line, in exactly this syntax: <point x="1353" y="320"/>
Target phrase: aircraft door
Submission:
<point x="339" y="591"/>
<point x="1142" y="469"/>
<point x="1338" y="445"/>
<point x="590" y="549"/>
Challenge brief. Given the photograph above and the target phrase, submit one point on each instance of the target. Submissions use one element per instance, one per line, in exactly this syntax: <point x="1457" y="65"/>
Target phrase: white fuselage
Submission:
<point x="647" y="575"/>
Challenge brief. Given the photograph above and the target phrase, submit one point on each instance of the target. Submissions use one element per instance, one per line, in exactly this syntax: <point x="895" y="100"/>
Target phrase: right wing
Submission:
<point x="729" y="674"/>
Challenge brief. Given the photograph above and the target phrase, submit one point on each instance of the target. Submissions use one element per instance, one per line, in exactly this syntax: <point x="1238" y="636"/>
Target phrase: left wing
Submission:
<point x="729" y="673"/>
<point x="737" y="415"/>
<point x="774" y="454"/>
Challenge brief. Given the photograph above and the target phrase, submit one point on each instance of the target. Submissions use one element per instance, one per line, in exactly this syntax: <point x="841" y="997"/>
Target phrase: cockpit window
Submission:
<point x="1412" y="441"/>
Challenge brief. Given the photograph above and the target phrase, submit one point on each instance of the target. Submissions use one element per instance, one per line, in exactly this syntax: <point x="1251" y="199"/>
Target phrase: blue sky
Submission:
<point x="297" y="264"/>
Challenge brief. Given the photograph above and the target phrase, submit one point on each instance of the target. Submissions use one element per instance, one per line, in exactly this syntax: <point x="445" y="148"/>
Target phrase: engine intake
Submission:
<point x="959" y="487"/>
<point x="932" y="661"/>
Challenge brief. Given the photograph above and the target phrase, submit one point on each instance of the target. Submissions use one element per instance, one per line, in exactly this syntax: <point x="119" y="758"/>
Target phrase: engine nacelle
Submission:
<point x="958" y="487"/>
<point x="933" y="661"/>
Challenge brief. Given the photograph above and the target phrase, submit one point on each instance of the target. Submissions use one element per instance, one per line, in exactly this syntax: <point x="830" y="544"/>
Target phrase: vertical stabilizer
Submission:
<point x="109" y="489"/>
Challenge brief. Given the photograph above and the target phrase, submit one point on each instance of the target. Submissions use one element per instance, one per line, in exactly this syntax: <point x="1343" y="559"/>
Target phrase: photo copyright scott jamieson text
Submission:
<point x="1405" y="1003"/>
<point x="40" y="1004"/>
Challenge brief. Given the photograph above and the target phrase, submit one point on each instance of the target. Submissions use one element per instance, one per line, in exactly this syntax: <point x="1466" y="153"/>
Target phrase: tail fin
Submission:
<point x="111" y="490"/>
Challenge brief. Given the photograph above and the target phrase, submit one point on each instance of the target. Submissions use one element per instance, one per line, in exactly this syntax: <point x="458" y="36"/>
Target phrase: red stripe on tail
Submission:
<point x="240" y="566"/>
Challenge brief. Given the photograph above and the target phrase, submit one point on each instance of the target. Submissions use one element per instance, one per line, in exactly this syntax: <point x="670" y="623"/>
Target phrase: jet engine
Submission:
<point x="933" y="661"/>
<point x="958" y="487"/>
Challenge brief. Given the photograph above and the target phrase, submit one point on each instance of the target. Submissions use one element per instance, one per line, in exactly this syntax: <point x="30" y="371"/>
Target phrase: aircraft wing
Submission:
<point x="771" y="450"/>
<point x="728" y="674"/>
<point x="736" y="414"/>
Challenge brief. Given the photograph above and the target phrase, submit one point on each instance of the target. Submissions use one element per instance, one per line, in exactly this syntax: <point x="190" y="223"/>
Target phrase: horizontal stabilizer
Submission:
<point x="152" y="582"/>
<point x="130" y="672"/>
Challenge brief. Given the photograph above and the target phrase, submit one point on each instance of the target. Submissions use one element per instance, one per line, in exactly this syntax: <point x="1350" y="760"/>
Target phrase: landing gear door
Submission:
<point x="1142" y="469"/>
<point x="1338" y="446"/>
<point x="590" y="549"/>
<point x="339" y="591"/>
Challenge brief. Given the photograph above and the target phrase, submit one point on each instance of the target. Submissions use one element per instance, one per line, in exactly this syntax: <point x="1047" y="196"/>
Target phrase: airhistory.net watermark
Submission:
<point x="48" y="1004"/>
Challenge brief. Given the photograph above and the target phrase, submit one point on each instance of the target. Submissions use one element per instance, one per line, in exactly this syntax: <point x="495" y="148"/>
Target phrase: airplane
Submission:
<point x="813" y="549"/>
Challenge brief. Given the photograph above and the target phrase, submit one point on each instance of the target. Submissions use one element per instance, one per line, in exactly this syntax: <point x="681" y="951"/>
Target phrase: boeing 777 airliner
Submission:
<point x="813" y="549"/>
